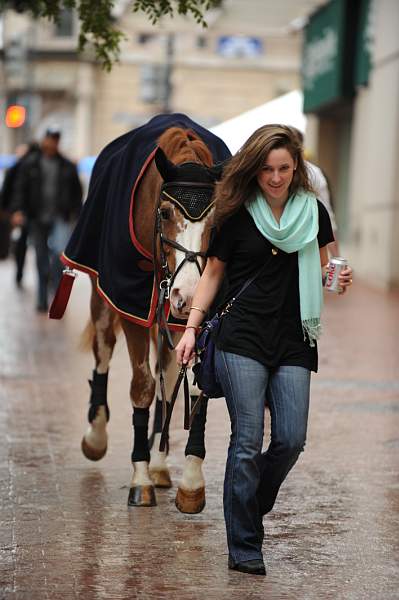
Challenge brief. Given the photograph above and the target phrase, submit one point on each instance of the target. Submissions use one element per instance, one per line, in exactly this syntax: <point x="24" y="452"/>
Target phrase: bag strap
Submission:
<point x="244" y="287"/>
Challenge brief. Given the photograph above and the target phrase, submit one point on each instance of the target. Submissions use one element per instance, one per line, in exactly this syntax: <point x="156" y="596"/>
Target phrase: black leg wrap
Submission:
<point x="141" y="450"/>
<point x="196" y="439"/>
<point x="98" y="396"/>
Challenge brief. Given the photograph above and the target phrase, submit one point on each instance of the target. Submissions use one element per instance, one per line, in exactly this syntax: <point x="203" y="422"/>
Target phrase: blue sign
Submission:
<point x="239" y="46"/>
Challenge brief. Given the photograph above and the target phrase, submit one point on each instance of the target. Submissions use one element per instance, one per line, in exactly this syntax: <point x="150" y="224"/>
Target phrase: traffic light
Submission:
<point x="15" y="116"/>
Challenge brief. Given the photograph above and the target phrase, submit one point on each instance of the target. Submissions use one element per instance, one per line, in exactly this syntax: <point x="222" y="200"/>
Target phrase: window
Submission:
<point x="64" y="26"/>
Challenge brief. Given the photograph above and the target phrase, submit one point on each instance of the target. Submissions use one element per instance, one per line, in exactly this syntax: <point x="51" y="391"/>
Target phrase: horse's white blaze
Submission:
<point x="104" y="351"/>
<point x="96" y="435"/>
<point x="189" y="236"/>
<point x="192" y="478"/>
<point x="141" y="474"/>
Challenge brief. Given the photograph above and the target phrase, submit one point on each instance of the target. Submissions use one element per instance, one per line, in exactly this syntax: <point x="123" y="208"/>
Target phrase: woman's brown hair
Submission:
<point x="239" y="182"/>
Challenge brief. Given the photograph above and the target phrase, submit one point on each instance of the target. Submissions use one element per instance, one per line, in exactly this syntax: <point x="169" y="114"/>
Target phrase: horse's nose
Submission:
<point x="177" y="300"/>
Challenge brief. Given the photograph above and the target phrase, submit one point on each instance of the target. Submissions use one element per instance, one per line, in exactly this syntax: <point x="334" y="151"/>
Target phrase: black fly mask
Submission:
<point x="188" y="186"/>
<point x="194" y="200"/>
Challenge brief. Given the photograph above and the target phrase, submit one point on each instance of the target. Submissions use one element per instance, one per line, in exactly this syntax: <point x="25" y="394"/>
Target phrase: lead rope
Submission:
<point x="162" y="278"/>
<point x="165" y="427"/>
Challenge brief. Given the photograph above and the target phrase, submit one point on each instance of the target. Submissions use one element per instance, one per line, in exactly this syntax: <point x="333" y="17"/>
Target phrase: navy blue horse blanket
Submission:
<point x="103" y="243"/>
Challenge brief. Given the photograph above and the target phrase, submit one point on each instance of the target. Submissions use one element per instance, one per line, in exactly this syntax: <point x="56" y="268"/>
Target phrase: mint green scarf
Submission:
<point x="297" y="232"/>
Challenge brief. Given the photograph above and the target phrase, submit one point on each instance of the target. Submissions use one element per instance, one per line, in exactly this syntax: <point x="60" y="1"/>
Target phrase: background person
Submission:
<point x="20" y="241"/>
<point x="48" y="197"/>
<point x="322" y="190"/>
<point x="266" y="216"/>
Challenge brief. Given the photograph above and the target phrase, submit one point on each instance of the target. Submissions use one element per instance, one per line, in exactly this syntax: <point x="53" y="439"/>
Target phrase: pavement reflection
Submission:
<point x="65" y="528"/>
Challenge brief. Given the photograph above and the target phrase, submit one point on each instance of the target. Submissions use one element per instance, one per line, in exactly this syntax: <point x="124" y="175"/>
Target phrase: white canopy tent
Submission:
<point x="286" y="109"/>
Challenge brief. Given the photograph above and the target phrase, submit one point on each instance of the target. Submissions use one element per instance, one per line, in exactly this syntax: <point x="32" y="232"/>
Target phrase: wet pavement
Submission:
<point x="66" y="531"/>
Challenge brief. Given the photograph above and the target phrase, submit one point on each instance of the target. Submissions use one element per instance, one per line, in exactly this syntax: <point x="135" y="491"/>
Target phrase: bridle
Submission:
<point x="164" y="277"/>
<point x="194" y="201"/>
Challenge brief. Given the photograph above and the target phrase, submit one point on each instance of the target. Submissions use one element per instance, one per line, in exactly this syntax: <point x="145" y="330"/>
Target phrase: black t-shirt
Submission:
<point x="264" y="323"/>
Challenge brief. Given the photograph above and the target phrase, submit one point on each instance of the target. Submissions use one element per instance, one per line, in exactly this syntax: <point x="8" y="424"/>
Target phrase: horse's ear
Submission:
<point x="165" y="167"/>
<point x="217" y="170"/>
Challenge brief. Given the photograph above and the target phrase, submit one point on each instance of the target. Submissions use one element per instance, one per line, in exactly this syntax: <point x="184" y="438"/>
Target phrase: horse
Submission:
<point x="142" y="238"/>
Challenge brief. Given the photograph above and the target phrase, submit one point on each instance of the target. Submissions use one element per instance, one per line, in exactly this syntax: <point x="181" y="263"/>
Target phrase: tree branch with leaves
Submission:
<point x="97" y="25"/>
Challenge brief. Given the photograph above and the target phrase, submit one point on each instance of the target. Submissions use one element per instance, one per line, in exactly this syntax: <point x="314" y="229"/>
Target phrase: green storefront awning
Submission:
<point x="336" y="53"/>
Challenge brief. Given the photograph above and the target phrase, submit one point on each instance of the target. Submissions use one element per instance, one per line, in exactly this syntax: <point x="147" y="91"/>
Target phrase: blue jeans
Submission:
<point x="49" y="240"/>
<point x="40" y="234"/>
<point x="252" y="478"/>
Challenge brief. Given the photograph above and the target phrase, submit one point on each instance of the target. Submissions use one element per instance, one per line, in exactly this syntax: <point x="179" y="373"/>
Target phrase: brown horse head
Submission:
<point x="185" y="209"/>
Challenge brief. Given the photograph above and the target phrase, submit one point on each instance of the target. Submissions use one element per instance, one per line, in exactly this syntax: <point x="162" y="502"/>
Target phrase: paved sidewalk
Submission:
<point x="65" y="529"/>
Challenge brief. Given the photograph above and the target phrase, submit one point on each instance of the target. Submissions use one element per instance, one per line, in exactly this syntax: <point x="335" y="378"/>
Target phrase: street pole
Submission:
<point x="167" y="75"/>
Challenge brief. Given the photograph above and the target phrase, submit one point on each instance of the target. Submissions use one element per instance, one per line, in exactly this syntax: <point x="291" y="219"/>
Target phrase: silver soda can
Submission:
<point x="335" y="266"/>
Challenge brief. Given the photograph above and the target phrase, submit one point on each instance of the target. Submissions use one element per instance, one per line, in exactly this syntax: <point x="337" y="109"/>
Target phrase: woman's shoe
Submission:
<point x="253" y="567"/>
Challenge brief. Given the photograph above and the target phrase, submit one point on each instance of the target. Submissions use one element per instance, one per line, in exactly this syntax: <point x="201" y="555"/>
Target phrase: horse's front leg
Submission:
<point x="100" y="335"/>
<point x="142" y="388"/>
<point x="159" y="469"/>
<point x="190" y="496"/>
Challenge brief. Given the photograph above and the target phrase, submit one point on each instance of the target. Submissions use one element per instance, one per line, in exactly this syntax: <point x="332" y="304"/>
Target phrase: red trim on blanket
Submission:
<point x="148" y="322"/>
<point x="133" y="237"/>
<point x="130" y="317"/>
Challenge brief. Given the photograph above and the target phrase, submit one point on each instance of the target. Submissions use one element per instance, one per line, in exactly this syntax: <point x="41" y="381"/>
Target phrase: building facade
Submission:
<point x="351" y="92"/>
<point x="211" y="74"/>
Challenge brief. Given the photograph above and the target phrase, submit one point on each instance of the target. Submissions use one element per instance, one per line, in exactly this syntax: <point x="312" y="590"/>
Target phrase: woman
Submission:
<point x="266" y="218"/>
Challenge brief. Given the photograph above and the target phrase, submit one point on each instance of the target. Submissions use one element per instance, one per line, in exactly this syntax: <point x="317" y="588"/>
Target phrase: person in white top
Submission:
<point x="321" y="187"/>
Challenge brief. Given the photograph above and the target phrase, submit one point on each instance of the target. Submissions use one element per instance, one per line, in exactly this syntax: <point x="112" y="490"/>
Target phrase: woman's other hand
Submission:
<point x="185" y="349"/>
<point x="345" y="278"/>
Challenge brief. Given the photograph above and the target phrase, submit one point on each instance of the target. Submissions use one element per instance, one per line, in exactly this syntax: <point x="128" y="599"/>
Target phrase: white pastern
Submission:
<point x="141" y="474"/>
<point x="96" y="435"/>
<point x="192" y="478"/>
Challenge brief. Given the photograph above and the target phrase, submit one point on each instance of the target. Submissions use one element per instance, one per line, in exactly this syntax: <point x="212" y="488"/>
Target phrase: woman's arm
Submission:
<point x="205" y="294"/>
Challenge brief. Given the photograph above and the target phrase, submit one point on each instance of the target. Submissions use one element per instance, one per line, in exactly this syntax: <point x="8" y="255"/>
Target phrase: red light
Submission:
<point x="15" y="116"/>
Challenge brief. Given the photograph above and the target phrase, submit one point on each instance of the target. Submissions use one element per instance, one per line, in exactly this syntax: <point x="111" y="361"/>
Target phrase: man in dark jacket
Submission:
<point x="48" y="196"/>
<point x="19" y="246"/>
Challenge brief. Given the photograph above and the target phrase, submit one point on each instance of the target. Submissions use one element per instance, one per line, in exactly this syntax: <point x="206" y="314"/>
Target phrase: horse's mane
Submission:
<point x="184" y="145"/>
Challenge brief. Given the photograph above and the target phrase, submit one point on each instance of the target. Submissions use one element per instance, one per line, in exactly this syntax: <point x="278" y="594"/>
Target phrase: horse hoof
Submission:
<point x="92" y="453"/>
<point x="142" y="495"/>
<point x="190" y="501"/>
<point x="161" y="478"/>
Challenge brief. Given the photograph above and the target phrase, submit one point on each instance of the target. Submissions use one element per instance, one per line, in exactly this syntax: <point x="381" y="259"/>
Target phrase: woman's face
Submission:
<point x="275" y="177"/>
